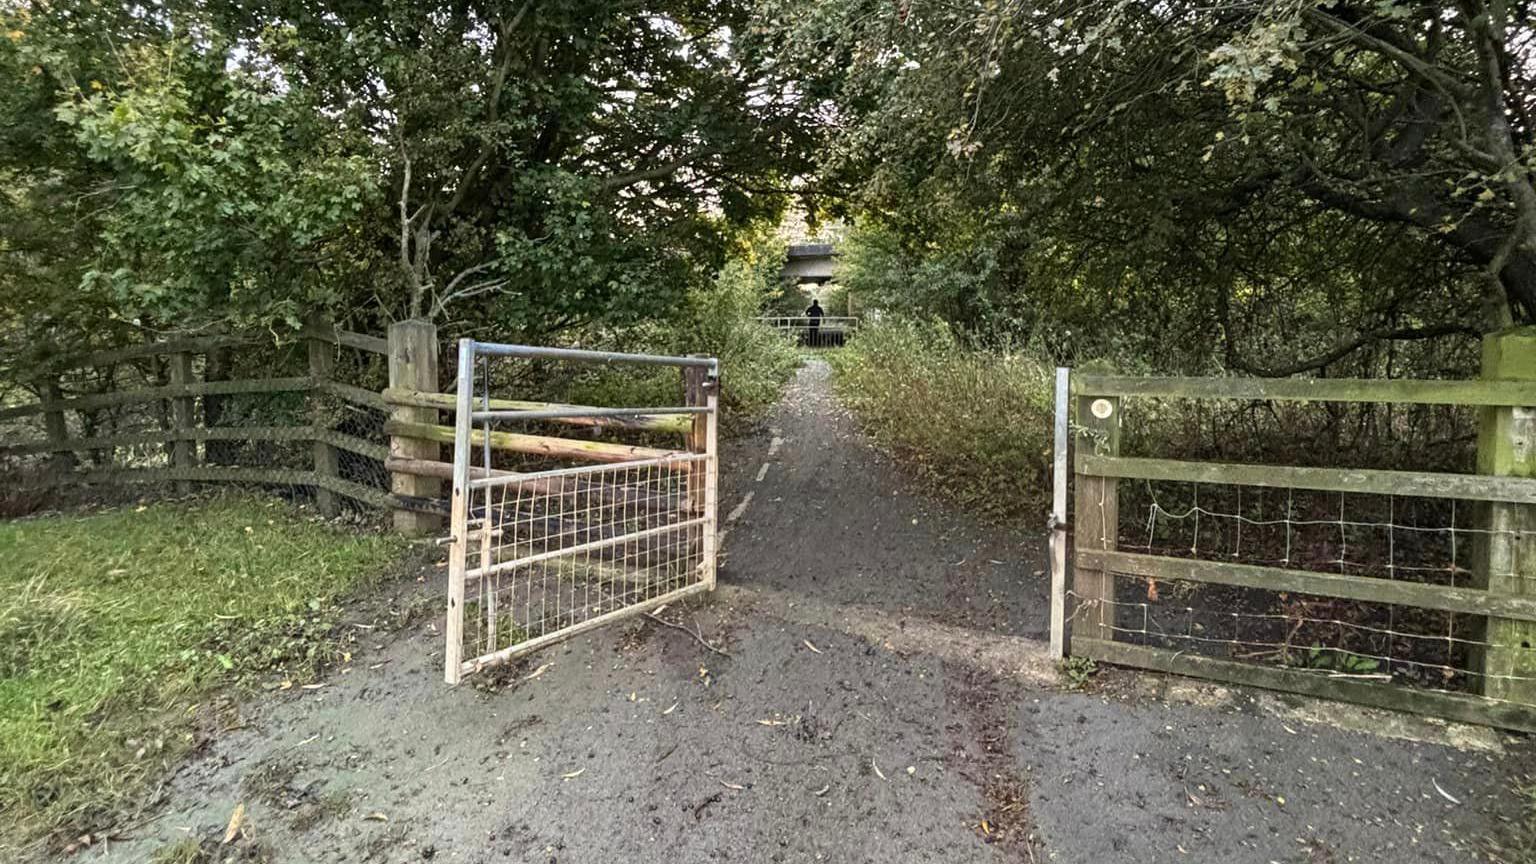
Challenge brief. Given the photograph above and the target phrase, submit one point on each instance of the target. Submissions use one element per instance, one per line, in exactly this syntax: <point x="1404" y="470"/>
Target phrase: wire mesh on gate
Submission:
<point x="557" y="549"/>
<point x="540" y="551"/>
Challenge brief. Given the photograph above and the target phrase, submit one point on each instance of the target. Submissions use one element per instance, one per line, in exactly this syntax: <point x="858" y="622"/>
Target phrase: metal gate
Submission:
<point x="540" y="555"/>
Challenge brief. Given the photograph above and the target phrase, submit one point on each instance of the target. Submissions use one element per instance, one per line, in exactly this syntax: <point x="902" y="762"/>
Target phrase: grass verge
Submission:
<point x="115" y="627"/>
<point x="976" y="424"/>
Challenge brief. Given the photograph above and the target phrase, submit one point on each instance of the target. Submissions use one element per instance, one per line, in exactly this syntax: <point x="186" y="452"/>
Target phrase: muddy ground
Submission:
<point x="884" y="698"/>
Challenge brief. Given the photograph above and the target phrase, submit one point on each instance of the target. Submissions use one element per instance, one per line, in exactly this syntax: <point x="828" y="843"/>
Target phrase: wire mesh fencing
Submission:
<point x="165" y="417"/>
<point x="1408" y="589"/>
<point x="1410" y="540"/>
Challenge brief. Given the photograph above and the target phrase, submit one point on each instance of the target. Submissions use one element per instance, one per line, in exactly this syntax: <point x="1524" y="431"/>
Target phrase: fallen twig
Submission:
<point x="697" y="636"/>
<point x="1444" y="794"/>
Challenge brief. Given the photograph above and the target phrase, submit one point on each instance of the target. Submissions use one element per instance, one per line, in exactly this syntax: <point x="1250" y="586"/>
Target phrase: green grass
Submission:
<point x="976" y="424"/>
<point x="116" y="627"/>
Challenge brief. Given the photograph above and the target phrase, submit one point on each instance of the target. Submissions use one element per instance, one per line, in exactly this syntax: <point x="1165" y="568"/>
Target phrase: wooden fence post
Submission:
<point x="413" y="366"/>
<point x="322" y="366"/>
<point x="1506" y="445"/>
<point x="1096" y="520"/>
<point x="701" y="390"/>
<point x="57" y="429"/>
<point x="183" y="408"/>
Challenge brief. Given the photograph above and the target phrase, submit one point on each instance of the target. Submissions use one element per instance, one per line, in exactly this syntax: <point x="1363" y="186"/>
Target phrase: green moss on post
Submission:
<point x="1506" y="446"/>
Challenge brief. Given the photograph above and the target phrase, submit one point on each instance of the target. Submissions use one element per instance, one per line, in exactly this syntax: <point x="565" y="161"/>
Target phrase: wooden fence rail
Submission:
<point x="406" y="453"/>
<point x="1498" y="589"/>
<point x="178" y="430"/>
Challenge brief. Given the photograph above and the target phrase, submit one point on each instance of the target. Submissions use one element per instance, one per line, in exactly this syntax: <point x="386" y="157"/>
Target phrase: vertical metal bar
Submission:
<point x="488" y="583"/>
<point x="453" y="652"/>
<point x="1059" y="518"/>
<point x="711" y="478"/>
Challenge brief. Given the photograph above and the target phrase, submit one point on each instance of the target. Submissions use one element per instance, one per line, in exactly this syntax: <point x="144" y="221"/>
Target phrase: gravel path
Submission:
<point x="885" y="699"/>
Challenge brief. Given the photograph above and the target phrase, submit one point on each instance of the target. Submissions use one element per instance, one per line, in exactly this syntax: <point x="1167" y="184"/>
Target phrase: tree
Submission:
<point x="535" y="164"/>
<point x="1307" y="179"/>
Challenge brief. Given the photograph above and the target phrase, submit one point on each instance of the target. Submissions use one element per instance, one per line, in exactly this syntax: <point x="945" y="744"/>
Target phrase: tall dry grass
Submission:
<point x="976" y="424"/>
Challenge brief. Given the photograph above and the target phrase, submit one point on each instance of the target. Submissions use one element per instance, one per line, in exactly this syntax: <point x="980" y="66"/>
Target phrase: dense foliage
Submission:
<point x="718" y="319"/>
<point x="542" y="165"/>
<point x="1270" y="187"/>
<point x="1263" y="186"/>
<point x="938" y="401"/>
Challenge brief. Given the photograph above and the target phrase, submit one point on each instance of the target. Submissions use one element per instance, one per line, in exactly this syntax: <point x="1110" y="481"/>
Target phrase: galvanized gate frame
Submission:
<point x="698" y="466"/>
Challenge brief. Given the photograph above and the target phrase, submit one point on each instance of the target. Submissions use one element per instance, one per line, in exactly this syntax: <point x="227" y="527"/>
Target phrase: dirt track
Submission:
<point x="883" y="700"/>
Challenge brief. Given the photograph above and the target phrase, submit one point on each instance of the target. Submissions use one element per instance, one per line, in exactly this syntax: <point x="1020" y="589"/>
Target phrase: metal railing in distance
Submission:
<point x="827" y="331"/>
<point x="539" y="556"/>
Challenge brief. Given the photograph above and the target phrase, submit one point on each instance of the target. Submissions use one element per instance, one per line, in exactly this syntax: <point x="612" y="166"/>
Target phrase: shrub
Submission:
<point x="976" y="423"/>
<point x="755" y="360"/>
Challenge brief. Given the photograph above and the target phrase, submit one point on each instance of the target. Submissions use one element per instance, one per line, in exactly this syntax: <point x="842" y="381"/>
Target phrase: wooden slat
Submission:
<point x="379" y="498"/>
<point x="219" y="474"/>
<point x="355" y="395"/>
<point x="1363" y="588"/>
<point x="217" y="433"/>
<point x="617" y="496"/>
<point x="1468" y="392"/>
<point x="151" y="394"/>
<point x="677" y="423"/>
<point x="541" y="445"/>
<point x="363" y="342"/>
<point x="1451" y="706"/>
<point x="109" y="356"/>
<point x="203" y="474"/>
<point x="323" y="332"/>
<point x="1421" y="484"/>
<point x="1096" y="513"/>
<point x="351" y="444"/>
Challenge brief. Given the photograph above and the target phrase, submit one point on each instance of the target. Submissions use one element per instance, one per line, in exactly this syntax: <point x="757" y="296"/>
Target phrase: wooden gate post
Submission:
<point x="413" y="366"/>
<point x="1506" y="445"/>
<point x="1096" y="520"/>
<point x="183" y="449"/>
<point x="322" y="366"/>
<point x="702" y="390"/>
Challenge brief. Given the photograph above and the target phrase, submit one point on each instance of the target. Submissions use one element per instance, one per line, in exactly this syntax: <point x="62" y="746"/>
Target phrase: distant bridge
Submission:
<point x="809" y="262"/>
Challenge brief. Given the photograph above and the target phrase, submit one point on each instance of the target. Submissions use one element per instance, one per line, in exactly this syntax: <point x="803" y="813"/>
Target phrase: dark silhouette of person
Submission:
<point x="814" y="330"/>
